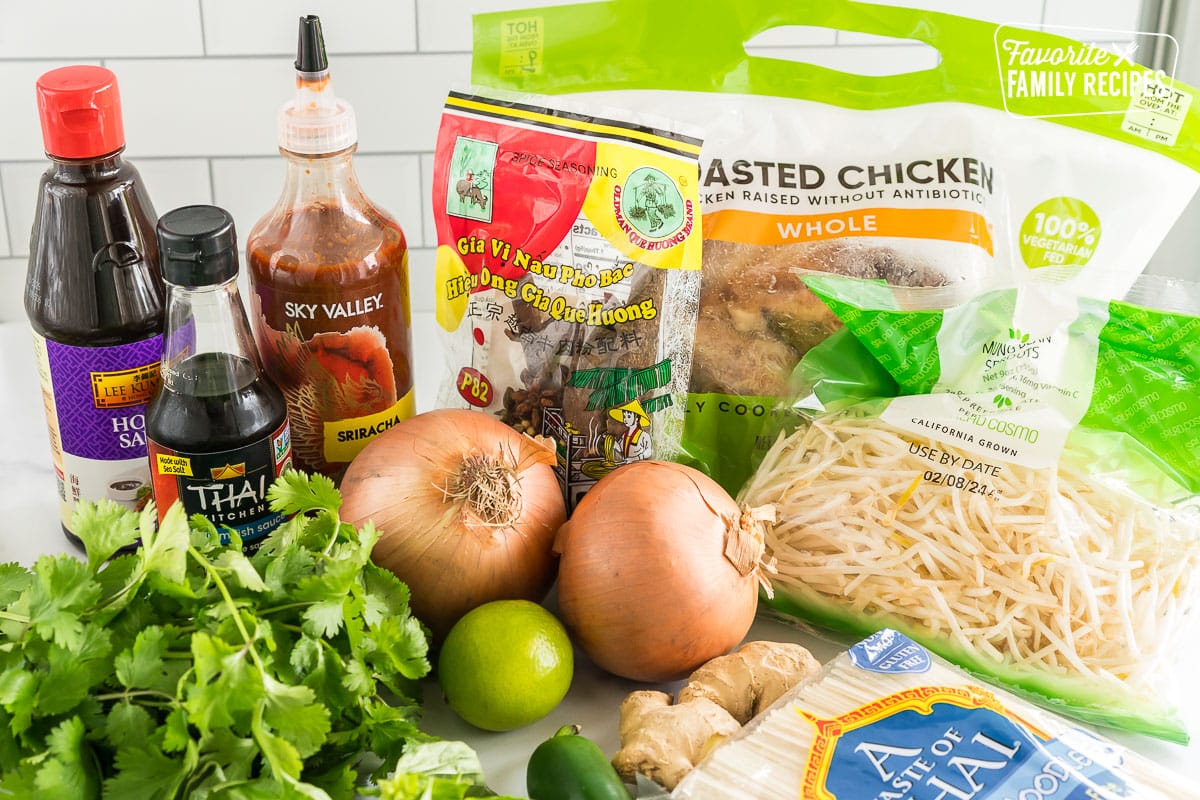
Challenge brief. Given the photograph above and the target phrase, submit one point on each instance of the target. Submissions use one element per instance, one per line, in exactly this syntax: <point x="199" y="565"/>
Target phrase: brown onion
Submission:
<point x="467" y="507"/>
<point x="659" y="570"/>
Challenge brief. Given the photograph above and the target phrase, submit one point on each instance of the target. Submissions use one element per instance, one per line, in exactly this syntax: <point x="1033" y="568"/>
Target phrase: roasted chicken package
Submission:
<point x="949" y="174"/>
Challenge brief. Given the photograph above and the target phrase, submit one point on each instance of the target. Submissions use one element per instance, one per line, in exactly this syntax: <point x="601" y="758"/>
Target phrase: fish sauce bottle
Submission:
<point x="93" y="294"/>
<point x="329" y="274"/>
<point x="218" y="430"/>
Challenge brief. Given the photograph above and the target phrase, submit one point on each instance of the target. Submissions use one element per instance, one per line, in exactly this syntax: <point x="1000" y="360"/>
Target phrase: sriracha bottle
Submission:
<point x="329" y="273"/>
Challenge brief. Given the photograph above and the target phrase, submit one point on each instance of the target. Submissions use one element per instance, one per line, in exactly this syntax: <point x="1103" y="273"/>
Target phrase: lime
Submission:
<point x="505" y="664"/>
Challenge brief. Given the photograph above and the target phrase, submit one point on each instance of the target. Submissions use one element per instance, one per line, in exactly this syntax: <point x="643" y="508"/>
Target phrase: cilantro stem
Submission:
<point x="24" y="620"/>
<point x="284" y="607"/>
<point x="211" y="571"/>
<point x="129" y="695"/>
<point x="337" y="528"/>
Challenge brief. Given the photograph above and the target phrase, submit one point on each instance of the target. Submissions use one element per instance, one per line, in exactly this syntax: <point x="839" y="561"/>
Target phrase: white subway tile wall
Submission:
<point x="202" y="82"/>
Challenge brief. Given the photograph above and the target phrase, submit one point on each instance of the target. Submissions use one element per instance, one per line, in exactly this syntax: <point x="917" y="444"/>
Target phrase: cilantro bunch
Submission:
<point x="187" y="669"/>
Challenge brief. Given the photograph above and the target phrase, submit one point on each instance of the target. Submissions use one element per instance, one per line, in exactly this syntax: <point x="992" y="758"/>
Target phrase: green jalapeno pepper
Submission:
<point x="568" y="766"/>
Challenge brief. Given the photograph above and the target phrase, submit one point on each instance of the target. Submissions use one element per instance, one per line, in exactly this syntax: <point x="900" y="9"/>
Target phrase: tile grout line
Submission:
<point x="416" y="22"/>
<point x="237" y="156"/>
<point x="212" y="183"/>
<point x="203" y="32"/>
<point x="7" y="228"/>
<point x="421" y="195"/>
<point x="255" y="56"/>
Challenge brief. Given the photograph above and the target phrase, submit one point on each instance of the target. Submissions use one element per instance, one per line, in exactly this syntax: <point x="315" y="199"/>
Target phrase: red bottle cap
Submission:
<point x="80" y="109"/>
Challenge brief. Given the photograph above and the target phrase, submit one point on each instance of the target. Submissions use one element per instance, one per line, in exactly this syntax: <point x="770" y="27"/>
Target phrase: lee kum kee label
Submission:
<point x="95" y="400"/>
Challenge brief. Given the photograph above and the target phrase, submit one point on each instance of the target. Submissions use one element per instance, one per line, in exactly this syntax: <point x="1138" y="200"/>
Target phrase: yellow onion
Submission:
<point x="467" y="509"/>
<point x="659" y="570"/>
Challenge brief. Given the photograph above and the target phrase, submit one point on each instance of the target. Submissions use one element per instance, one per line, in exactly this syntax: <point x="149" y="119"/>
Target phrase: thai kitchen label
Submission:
<point x="227" y="487"/>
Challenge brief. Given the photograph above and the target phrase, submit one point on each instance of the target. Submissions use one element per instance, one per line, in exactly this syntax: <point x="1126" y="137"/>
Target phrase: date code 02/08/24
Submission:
<point x="958" y="482"/>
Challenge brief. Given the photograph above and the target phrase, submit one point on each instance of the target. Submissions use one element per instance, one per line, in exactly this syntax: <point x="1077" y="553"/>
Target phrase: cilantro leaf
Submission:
<point x="391" y="729"/>
<point x="324" y="619"/>
<point x="358" y="678"/>
<point x="297" y="493"/>
<point x="204" y="536"/>
<point x="293" y="713"/>
<point x="400" y="647"/>
<point x="70" y="771"/>
<point x="234" y="561"/>
<point x="62" y="589"/>
<point x="224" y="684"/>
<point x="441" y="758"/>
<point x="14" y="579"/>
<point x="18" y="693"/>
<point x="128" y="725"/>
<point x="339" y="782"/>
<point x="71" y="675"/>
<point x="305" y="655"/>
<point x="287" y="569"/>
<point x="280" y="754"/>
<point x="164" y="551"/>
<point x="329" y="592"/>
<point x="235" y="753"/>
<point x="104" y="527"/>
<point x="176" y="735"/>
<point x="142" y="666"/>
<point x="144" y="772"/>
<point x="387" y="595"/>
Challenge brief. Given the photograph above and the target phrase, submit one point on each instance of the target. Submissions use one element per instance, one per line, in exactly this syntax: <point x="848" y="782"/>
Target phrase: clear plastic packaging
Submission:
<point x="1008" y="475"/>
<point x="567" y="276"/>
<point x="923" y="178"/>
<point x="888" y="719"/>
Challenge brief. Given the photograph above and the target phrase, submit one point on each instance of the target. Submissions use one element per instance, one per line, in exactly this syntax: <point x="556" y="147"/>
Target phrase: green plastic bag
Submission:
<point x="1023" y="499"/>
<point x="922" y="178"/>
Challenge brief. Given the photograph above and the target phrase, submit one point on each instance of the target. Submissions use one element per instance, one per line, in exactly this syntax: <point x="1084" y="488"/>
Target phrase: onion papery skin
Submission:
<point x="451" y="558"/>
<point x="643" y="583"/>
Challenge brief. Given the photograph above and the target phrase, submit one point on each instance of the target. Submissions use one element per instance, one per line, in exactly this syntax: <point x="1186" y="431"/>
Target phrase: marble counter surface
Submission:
<point x="28" y="511"/>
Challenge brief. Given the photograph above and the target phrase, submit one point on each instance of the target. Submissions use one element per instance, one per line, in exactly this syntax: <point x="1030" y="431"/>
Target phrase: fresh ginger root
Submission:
<point x="750" y="678"/>
<point x="664" y="741"/>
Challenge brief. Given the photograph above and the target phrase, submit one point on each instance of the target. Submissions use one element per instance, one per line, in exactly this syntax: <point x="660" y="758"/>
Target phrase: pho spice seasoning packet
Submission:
<point x="568" y="275"/>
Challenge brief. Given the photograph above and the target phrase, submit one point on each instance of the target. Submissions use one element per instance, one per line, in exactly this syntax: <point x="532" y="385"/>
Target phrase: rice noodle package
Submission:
<point x="926" y="178"/>
<point x="567" y="275"/>
<point x="1008" y="475"/>
<point x="888" y="720"/>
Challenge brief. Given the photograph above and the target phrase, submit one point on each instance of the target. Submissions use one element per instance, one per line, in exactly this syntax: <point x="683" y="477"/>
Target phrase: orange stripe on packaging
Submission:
<point x="944" y="224"/>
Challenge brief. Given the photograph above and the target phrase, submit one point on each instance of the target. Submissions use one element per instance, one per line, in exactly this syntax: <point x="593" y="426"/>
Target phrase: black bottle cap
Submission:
<point x="310" y="47"/>
<point x="198" y="246"/>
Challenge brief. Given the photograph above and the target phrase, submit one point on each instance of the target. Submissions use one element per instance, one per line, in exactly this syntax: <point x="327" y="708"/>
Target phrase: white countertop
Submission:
<point x="29" y="509"/>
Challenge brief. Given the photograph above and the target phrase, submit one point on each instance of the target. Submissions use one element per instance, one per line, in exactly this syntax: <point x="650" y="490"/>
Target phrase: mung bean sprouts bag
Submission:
<point x="1009" y="476"/>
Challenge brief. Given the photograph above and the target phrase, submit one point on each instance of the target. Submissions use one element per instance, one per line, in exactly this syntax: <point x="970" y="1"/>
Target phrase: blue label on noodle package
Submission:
<point x="890" y="652"/>
<point x="952" y="743"/>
